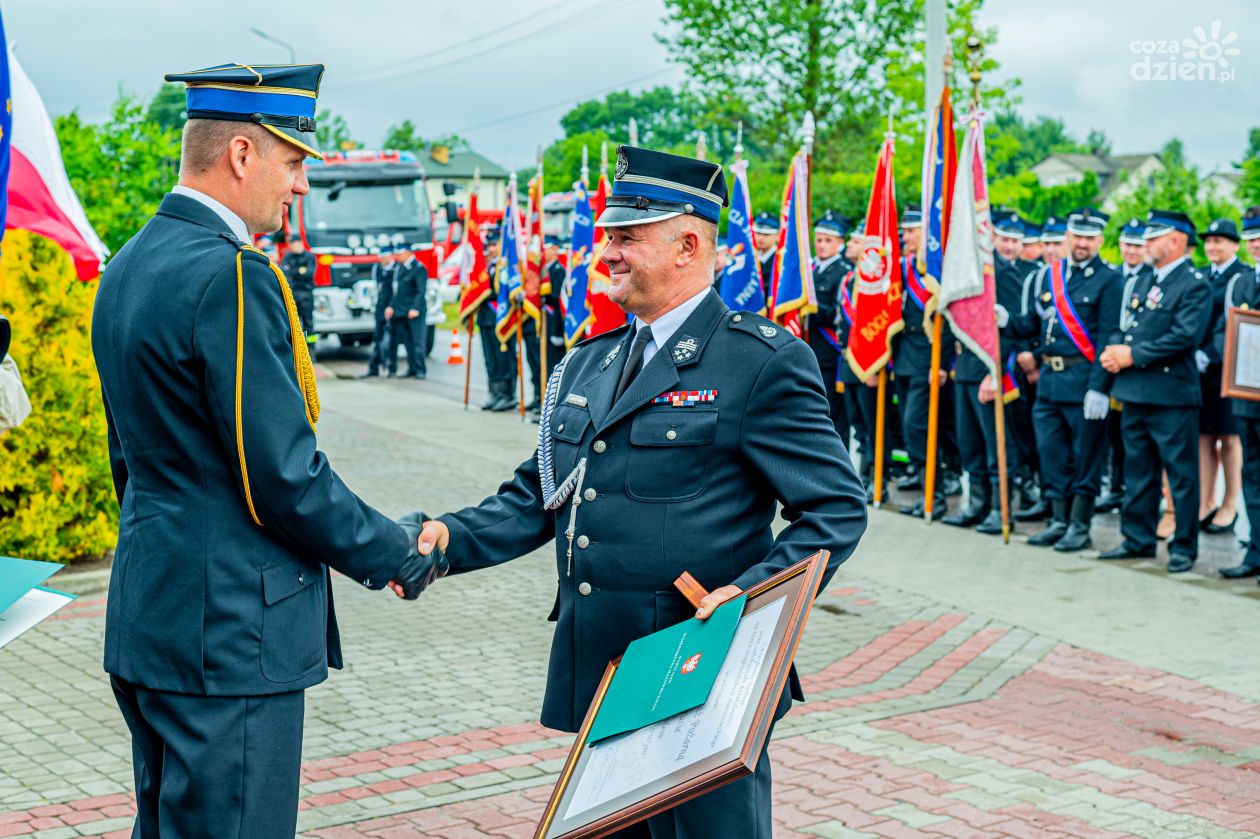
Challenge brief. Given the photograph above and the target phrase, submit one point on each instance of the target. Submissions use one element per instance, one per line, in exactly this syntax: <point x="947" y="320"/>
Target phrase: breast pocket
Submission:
<point x="669" y="454"/>
<point x="568" y="429"/>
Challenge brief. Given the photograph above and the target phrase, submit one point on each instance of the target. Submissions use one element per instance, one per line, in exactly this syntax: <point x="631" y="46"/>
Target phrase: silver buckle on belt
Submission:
<point x="1055" y="362"/>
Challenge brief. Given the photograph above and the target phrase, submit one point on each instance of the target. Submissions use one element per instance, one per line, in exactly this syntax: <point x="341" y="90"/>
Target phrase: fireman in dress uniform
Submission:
<point x="634" y="489"/>
<point x="1244" y="293"/>
<point x="1132" y="267"/>
<point x="500" y="358"/>
<point x="220" y="610"/>
<point x="1032" y="249"/>
<point x="826" y="338"/>
<point x="298" y="266"/>
<point x="1152" y="355"/>
<point x="383" y="272"/>
<point x="1078" y="305"/>
<point x="766" y="240"/>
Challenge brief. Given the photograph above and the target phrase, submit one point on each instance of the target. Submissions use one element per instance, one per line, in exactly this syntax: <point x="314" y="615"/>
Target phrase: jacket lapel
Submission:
<point x="684" y="348"/>
<point x="189" y="209"/>
<point x="601" y="384"/>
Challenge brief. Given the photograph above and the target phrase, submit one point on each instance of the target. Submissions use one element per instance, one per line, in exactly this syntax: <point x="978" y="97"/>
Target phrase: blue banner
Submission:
<point x="6" y="130"/>
<point x="741" y="280"/>
<point x="577" y="311"/>
<point x="507" y="274"/>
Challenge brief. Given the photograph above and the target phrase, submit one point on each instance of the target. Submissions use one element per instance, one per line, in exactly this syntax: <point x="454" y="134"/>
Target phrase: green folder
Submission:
<point x="667" y="672"/>
<point x="18" y="576"/>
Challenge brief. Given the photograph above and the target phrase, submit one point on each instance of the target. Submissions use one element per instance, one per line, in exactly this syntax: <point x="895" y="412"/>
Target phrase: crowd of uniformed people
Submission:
<point x="1111" y="381"/>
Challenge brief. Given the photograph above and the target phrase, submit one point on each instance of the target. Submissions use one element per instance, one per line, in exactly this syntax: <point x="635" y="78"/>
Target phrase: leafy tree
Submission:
<point x="1015" y="145"/>
<point x="405" y="137"/>
<point x="1098" y="142"/>
<point x="119" y="169"/>
<point x="167" y="106"/>
<point x="333" y="134"/>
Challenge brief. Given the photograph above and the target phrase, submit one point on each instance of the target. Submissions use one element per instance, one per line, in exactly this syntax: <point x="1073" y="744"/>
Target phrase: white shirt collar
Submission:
<point x="1160" y="273"/>
<point x="822" y="264"/>
<point x="664" y="327"/>
<point x="231" y="219"/>
<point x="1221" y="269"/>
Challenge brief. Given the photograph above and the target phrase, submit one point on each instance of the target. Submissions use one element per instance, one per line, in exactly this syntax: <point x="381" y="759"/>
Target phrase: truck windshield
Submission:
<point x="352" y="206"/>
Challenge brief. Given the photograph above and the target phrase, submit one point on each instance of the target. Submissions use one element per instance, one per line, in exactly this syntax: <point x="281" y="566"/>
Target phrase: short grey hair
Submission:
<point x="205" y="140"/>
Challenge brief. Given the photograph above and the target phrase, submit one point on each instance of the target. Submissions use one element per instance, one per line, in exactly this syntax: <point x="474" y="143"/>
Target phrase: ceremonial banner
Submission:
<point x="474" y="279"/>
<point x="968" y="291"/>
<point x="507" y="273"/>
<point x="40" y="198"/>
<point x="877" y="281"/>
<point x="939" y="167"/>
<point x="605" y="314"/>
<point x="741" y="279"/>
<point x="577" y="312"/>
<point x="793" y="277"/>
<point x="534" y="280"/>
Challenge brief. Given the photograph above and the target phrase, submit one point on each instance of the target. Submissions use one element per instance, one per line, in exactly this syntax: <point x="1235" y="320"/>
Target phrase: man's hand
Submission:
<point x="716" y="598"/>
<point x="1026" y="361"/>
<point x="987" y="392"/>
<point x="873" y="381"/>
<point x="1202" y="361"/>
<point x="1032" y="377"/>
<point x="412" y="314"/>
<point x="1096" y="405"/>
<point x="389" y="312"/>
<point x="942" y="376"/>
<point x="427" y="560"/>
<point x="1117" y="357"/>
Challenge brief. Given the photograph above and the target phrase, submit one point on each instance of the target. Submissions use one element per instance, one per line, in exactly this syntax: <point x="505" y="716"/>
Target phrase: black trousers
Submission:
<point x="740" y="809"/>
<point x="533" y="357"/>
<point x="1249" y="432"/>
<point x="913" y="396"/>
<point x="1071" y="448"/>
<point x="304" y="301"/>
<point x="977" y="436"/>
<point x="859" y="403"/>
<point x="403" y="332"/>
<point x="220" y="766"/>
<point x="1160" y="438"/>
<point x="1115" y="440"/>
<point x="500" y="362"/>
<point x="1020" y="419"/>
<point x="837" y="406"/>
<point x="381" y="345"/>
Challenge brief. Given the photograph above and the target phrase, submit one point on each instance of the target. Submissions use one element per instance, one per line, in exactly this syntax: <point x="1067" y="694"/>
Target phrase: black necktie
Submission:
<point x="633" y="361"/>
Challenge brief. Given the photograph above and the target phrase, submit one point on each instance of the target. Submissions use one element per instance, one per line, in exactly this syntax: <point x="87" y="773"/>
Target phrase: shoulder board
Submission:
<point x="251" y="252"/>
<point x="618" y="332"/>
<point x="759" y="326"/>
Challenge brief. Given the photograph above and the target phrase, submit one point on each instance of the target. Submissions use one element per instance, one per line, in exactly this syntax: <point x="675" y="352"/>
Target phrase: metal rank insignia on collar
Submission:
<point x="685" y="398"/>
<point x="1089" y="272"/>
<point x="685" y="348"/>
<point x="608" y="359"/>
<point x="767" y="331"/>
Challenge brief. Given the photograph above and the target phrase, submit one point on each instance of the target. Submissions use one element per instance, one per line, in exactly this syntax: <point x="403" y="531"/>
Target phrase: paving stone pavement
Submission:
<point x="957" y="687"/>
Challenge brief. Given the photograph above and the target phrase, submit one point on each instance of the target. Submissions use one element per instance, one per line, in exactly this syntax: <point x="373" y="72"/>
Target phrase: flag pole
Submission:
<point x="808" y="128"/>
<point x="975" y="49"/>
<point x="472" y="317"/>
<point x="935" y="12"/>
<point x="542" y="306"/>
<point x="881" y="395"/>
<point x="520" y="351"/>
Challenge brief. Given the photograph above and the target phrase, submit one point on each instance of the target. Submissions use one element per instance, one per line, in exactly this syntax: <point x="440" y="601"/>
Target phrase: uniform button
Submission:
<point x="600" y="446"/>
<point x="1128" y="339"/>
<point x="367" y="583"/>
<point x="737" y="318"/>
<point x="560" y="427"/>
<point x="1165" y="369"/>
<point x="583" y="542"/>
<point x="590" y="495"/>
<point x="584" y="589"/>
<point x="301" y="579"/>
<point x="671" y="434"/>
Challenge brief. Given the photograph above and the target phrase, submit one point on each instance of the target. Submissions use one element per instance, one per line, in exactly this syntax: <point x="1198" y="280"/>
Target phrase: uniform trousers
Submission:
<point x="213" y="766"/>
<point x="380" y="346"/>
<point x="1249" y="431"/>
<point x="1158" y="437"/>
<point x="1071" y="447"/>
<point x="914" y="394"/>
<point x="1115" y="439"/>
<point x="837" y="407"/>
<point x="403" y="333"/>
<point x="977" y="436"/>
<point x="500" y="358"/>
<point x="533" y="357"/>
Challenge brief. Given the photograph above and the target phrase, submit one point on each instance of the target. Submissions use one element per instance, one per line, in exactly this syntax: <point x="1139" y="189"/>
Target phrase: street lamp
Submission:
<point x="266" y="37"/>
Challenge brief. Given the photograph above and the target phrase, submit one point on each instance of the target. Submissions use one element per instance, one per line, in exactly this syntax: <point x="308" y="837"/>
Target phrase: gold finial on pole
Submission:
<point x="739" y="141"/>
<point x="975" y="57"/>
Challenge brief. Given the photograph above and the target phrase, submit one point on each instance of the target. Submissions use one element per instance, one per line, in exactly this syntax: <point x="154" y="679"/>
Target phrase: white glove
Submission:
<point x="1003" y="316"/>
<point x="1096" y="405"/>
<point x="557" y="341"/>
<point x="1201" y="360"/>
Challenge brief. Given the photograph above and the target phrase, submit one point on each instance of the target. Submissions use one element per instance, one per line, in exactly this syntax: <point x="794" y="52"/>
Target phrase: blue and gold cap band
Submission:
<point x="651" y="186"/>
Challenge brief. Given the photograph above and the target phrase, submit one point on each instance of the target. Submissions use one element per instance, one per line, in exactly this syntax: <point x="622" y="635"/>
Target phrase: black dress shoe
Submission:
<point x="1121" y="551"/>
<point x="1110" y="502"/>
<point x="938" y="509"/>
<point x="950" y="485"/>
<point x="1206" y="521"/>
<point x="1049" y="537"/>
<point x="1178" y="564"/>
<point x="992" y="524"/>
<point x="1212" y="527"/>
<point x="1239" y="572"/>
<point x="369" y="375"/>
<point x="1038" y="511"/>
<point x="1076" y="538"/>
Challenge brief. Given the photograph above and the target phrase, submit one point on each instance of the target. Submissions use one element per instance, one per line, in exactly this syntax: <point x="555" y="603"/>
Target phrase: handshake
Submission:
<point x="421" y="567"/>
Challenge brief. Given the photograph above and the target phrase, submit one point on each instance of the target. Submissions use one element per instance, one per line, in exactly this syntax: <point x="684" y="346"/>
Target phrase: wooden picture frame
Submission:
<point x="579" y="808"/>
<point x="1240" y="371"/>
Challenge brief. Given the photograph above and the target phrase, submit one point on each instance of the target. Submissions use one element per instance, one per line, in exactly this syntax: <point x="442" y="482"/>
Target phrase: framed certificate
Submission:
<point x="1240" y="373"/>
<point x="624" y="779"/>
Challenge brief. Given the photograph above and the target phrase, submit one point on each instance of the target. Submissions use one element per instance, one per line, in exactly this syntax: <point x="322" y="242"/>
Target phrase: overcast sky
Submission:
<point x="501" y="72"/>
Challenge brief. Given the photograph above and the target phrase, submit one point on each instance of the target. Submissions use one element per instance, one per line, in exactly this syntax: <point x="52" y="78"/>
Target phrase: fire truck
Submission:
<point x="362" y="202"/>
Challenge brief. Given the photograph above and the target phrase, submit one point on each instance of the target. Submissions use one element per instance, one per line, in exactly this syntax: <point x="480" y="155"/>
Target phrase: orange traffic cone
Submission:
<point x="456" y="355"/>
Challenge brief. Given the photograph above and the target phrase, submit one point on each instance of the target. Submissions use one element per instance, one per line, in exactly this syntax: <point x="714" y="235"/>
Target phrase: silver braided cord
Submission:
<point x="553" y="496"/>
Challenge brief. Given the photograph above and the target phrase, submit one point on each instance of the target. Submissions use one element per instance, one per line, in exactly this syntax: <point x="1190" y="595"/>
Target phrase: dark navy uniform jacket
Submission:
<point x="1095" y="290"/>
<point x="912" y="347"/>
<point x="1009" y="287"/>
<point x="384" y="277"/>
<point x="1242" y="292"/>
<point x="1164" y="323"/>
<point x="203" y="600"/>
<point x="410" y="283"/>
<point x="1220" y="287"/>
<point x="671" y="489"/>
